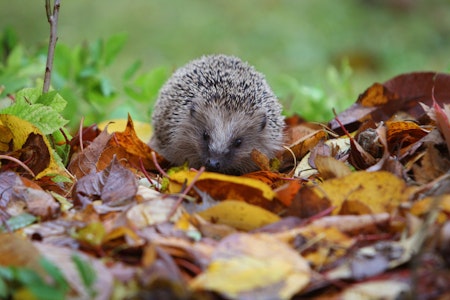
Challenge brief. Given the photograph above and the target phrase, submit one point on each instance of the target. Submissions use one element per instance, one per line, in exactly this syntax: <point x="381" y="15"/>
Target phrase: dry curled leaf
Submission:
<point x="114" y="185"/>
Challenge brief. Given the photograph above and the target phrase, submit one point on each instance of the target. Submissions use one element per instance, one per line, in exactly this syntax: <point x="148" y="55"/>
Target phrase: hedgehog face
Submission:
<point x="213" y="112"/>
<point x="225" y="139"/>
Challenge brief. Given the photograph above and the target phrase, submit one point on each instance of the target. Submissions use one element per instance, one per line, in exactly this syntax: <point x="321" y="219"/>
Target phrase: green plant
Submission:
<point x="80" y="75"/>
<point x="317" y="102"/>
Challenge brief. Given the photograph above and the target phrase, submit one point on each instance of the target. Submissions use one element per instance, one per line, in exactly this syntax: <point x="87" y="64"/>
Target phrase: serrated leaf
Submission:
<point x="53" y="100"/>
<point x="45" y="118"/>
<point x="27" y="96"/>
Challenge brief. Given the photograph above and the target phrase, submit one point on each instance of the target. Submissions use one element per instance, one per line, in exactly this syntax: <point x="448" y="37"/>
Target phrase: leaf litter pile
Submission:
<point x="355" y="209"/>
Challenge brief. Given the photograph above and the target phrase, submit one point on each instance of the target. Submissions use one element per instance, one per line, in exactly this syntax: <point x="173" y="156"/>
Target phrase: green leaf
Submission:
<point x="19" y="221"/>
<point x="113" y="46"/>
<point x="55" y="273"/>
<point x="43" y="117"/>
<point x="131" y="71"/>
<point x="4" y="291"/>
<point x="16" y="57"/>
<point x="53" y="100"/>
<point x="28" y="95"/>
<point x="86" y="272"/>
<point x="146" y="87"/>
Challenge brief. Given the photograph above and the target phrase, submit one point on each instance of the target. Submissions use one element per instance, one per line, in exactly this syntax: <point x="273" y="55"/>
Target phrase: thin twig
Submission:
<point x="20" y="163"/>
<point x="185" y="192"/>
<point x="52" y="18"/>
<point x="158" y="167"/>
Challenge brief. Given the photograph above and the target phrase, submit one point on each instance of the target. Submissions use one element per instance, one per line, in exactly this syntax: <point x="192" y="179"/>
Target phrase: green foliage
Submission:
<point x="80" y="75"/>
<point x="25" y="283"/>
<point x="42" y="110"/>
<point x="87" y="274"/>
<point x="17" y="68"/>
<point x="317" y="103"/>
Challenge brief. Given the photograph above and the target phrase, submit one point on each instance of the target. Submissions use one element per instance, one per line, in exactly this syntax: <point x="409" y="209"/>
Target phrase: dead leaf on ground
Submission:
<point x="30" y="145"/>
<point x="259" y="266"/>
<point x="114" y="186"/>
<point x="364" y="192"/>
<point x="226" y="187"/>
<point x="239" y="215"/>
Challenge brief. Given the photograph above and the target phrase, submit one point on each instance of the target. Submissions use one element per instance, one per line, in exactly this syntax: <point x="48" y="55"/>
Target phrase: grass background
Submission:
<point x="301" y="46"/>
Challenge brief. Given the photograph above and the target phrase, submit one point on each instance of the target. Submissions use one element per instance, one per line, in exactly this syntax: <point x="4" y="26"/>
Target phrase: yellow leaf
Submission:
<point x="257" y="266"/>
<point x="222" y="187"/>
<point x="423" y="206"/>
<point x="364" y="192"/>
<point x="25" y="135"/>
<point x="239" y="214"/>
<point x="143" y="130"/>
<point x="330" y="244"/>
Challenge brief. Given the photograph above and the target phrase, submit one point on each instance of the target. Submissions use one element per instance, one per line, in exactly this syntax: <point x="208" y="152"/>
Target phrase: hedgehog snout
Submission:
<point x="213" y="164"/>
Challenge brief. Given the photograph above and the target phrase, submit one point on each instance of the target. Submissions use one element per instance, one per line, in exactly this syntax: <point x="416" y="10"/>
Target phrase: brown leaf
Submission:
<point x="227" y="187"/>
<point x="30" y="145"/>
<point x="115" y="186"/>
<point x="36" y="202"/>
<point x="431" y="165"/>
<point x="329" y="167"/>
<point x="401" y="93"/>
<point x="129" y="149"/>
<point x="85" y="162"/>
<point x="401" y="134"/>
<point x="307" y="203"/>
<point x="20" y="252"/>
<point x="301" y="147"/>
<point x="287" y="192"/>
<point x="19" y="195"/>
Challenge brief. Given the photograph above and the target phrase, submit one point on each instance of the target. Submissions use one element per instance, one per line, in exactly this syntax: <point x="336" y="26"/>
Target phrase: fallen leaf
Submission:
<point x="259" y="266"/>
<point x="401" y="93"/>
<point x="129" y="149"/>
<point x="239" y="215"/>
<point x="17" y="251"/>
<point x="31" y="146"/>
<point x="114" y="185"/>
<point x="227" y="187"/>
<point x="364" y="192"/>
<point x="143" y="130"/>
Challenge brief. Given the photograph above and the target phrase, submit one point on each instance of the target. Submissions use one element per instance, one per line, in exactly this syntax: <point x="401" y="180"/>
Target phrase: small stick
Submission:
<point x="52" y="18"/>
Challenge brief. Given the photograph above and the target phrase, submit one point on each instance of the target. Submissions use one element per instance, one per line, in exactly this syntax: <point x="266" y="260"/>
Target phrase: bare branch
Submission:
<point x="52" y="18"/>
<point x="48" y="10"/>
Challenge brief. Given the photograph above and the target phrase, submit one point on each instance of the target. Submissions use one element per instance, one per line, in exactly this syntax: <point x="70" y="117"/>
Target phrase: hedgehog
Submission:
<point x="213" y="112"/>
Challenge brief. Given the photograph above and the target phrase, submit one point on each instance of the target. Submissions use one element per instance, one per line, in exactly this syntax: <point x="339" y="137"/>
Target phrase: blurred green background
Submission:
<point x="315" y="54"/>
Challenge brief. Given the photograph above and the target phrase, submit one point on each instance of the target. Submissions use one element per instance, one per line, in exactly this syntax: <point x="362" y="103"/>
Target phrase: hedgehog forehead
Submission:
<point x="225" y="125"/>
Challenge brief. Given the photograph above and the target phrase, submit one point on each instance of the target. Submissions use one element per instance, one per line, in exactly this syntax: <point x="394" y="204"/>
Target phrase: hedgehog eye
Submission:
<point x="206" y="136"/>
<point x="237" y="142"/>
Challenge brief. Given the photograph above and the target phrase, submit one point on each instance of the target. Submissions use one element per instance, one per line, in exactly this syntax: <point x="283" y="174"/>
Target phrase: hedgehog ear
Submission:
<point x="263" y="122"/>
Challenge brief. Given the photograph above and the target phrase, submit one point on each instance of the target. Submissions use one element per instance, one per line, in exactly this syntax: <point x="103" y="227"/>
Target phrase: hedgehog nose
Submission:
<point x="212" y="164"/>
